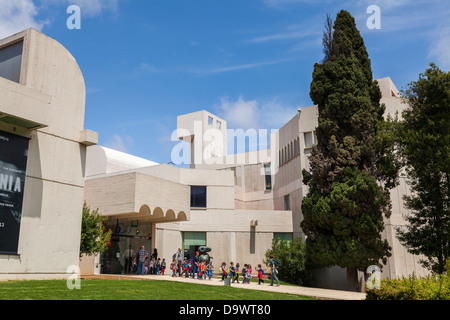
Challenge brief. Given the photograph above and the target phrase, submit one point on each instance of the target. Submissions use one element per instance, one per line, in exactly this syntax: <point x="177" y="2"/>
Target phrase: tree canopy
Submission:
<point x="93" y="236"/>
<point x="349" y="181"/>
<point x="424" y="138"/>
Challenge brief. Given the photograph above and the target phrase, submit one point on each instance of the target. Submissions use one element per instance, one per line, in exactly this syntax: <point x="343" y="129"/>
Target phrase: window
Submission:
<point x="283" y="236"/>
<point x="287" y="202"/>
<point x="268" y="177"/>
<point x="218" y="124"/>
<point x="210" y="121"/>
<point x="308" y="139"/>
<point x="198" y="197"/>
<point x="192" y="241"/>
<point x="11" y="61"/>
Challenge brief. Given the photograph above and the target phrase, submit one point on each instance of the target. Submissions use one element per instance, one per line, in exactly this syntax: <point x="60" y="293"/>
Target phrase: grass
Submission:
<point x="132" y="290"/>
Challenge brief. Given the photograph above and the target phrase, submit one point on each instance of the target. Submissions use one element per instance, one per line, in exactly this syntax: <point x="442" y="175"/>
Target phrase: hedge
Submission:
<point x="432" y="287"/>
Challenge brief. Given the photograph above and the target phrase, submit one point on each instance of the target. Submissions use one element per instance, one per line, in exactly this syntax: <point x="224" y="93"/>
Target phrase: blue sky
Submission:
<point x="248" y="61"/>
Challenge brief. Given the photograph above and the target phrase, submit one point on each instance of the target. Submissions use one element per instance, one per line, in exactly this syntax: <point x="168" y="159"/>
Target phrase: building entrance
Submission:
<point x="120" y="257"/>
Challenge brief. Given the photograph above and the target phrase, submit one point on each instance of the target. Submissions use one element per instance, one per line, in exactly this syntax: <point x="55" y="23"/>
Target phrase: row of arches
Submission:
<point x="159" y="214"/>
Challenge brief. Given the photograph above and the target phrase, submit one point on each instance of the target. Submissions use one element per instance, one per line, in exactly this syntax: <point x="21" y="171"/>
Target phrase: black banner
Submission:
<point x="13" y="164"/>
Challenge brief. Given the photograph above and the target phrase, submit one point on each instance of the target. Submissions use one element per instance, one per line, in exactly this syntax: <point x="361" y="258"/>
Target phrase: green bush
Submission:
<point x="432" y="287"/>
<point x="292" y="257"/>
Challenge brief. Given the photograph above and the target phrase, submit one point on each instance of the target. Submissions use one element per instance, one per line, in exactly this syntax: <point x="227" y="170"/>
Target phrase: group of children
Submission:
<point x="203" y="269"/>
<point x="233" y="272"/>
<point x="152" y="266"/>
<point x="189" y="268"/>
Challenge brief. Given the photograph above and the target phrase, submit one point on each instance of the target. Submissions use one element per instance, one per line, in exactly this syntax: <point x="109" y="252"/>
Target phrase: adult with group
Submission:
<point x="273" y="263"/>
<point x="142" y="255"/>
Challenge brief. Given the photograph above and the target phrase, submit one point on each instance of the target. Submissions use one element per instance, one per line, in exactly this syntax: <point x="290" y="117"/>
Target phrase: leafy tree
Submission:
<point x="93" y="236"/>
<point x="292" y="257"/>
<point x="425" y="145"/>
<point x="351" y="170"/>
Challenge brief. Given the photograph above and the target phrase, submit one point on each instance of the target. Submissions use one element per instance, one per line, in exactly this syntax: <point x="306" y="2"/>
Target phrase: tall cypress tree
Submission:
<point x="349" y="181"/>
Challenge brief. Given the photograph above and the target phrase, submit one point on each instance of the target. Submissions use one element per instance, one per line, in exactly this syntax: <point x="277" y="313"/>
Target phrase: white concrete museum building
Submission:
<point x="234" y="203"/>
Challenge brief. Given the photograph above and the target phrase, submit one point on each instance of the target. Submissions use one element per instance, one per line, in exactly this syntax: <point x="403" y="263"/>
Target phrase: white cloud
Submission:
<point x="275" y="114"/>
<point x="251" y="114"/>
<point x="89" y="8"/>
<point x="93" y="8"/>
<point x="240" y="114"/>
<point x="120" y="143"/>
<point x="18" y="15"/>
<point x="440" y="48"/>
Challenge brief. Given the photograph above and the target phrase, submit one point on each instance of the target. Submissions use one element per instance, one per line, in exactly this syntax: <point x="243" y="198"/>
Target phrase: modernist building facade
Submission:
<point x="42" y="157"/>
<point x="234" y="203"/>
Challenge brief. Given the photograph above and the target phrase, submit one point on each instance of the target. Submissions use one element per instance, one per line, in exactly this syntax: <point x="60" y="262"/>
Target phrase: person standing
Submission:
<point x="260" y="274"/>
<point x="179" y="261"/>
<point x="210" y="270"/>
<point x="195" y="265"/>
<point x="163" y="266"/>
<point x="273" y="270"/>
<point x="155" y="254"/>
<point x="232" y="271"/>
<point x="143" y="254"/>
<point x="224" y="271"/>
<point x="129" y="254"/>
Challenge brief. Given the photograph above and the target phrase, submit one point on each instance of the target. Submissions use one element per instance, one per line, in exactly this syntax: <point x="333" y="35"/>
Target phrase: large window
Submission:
<point x="308" y="139"/>
<point x="198" y="197"/>
<point x="283" y="236"/>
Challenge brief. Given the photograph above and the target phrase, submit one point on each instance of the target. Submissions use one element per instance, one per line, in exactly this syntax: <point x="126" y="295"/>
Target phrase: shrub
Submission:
<point x="292" y="257"/>
<point x="432" y="287"/>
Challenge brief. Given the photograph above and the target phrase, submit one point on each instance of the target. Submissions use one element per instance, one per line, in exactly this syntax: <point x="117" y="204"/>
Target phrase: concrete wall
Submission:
<point x="51" y="92"/>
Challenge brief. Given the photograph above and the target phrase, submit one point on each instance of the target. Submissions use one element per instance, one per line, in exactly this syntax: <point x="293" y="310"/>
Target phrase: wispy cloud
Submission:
<point x="120" y="143"/>
<point x="89" y="8"/>
<point x="214" y="70"/>
<point x="287" y="35"/>
<point x="440" y="48"/>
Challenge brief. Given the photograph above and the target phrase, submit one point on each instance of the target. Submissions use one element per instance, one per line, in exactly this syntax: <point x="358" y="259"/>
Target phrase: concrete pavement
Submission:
<point x="319" y="293"/>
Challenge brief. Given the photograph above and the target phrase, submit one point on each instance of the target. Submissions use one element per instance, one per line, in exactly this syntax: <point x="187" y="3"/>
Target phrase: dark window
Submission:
<point x="287" y="203"/>
<point x="10" y="61"/>
<point x="283" y="236"/>
<point x="198" y="197"/>
<point x="268" y="177"/>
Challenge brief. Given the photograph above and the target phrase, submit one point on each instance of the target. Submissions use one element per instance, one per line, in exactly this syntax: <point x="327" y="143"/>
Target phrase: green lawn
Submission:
<point x="131" y="290"/>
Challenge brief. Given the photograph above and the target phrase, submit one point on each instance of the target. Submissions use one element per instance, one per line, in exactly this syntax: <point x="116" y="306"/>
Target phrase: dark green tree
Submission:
<point x="93" y="236"/>
<point x="351" y="168"/>
<point x="425" y="146"/>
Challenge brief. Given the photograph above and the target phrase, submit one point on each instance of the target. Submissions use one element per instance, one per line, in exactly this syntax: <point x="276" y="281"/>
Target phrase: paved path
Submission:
<point x="304" y="291"/>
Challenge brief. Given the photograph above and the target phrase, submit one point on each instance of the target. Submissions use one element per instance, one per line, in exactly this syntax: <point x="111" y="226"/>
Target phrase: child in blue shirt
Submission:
<point x="209" y="270"/>
<point x="232" y="272"/>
